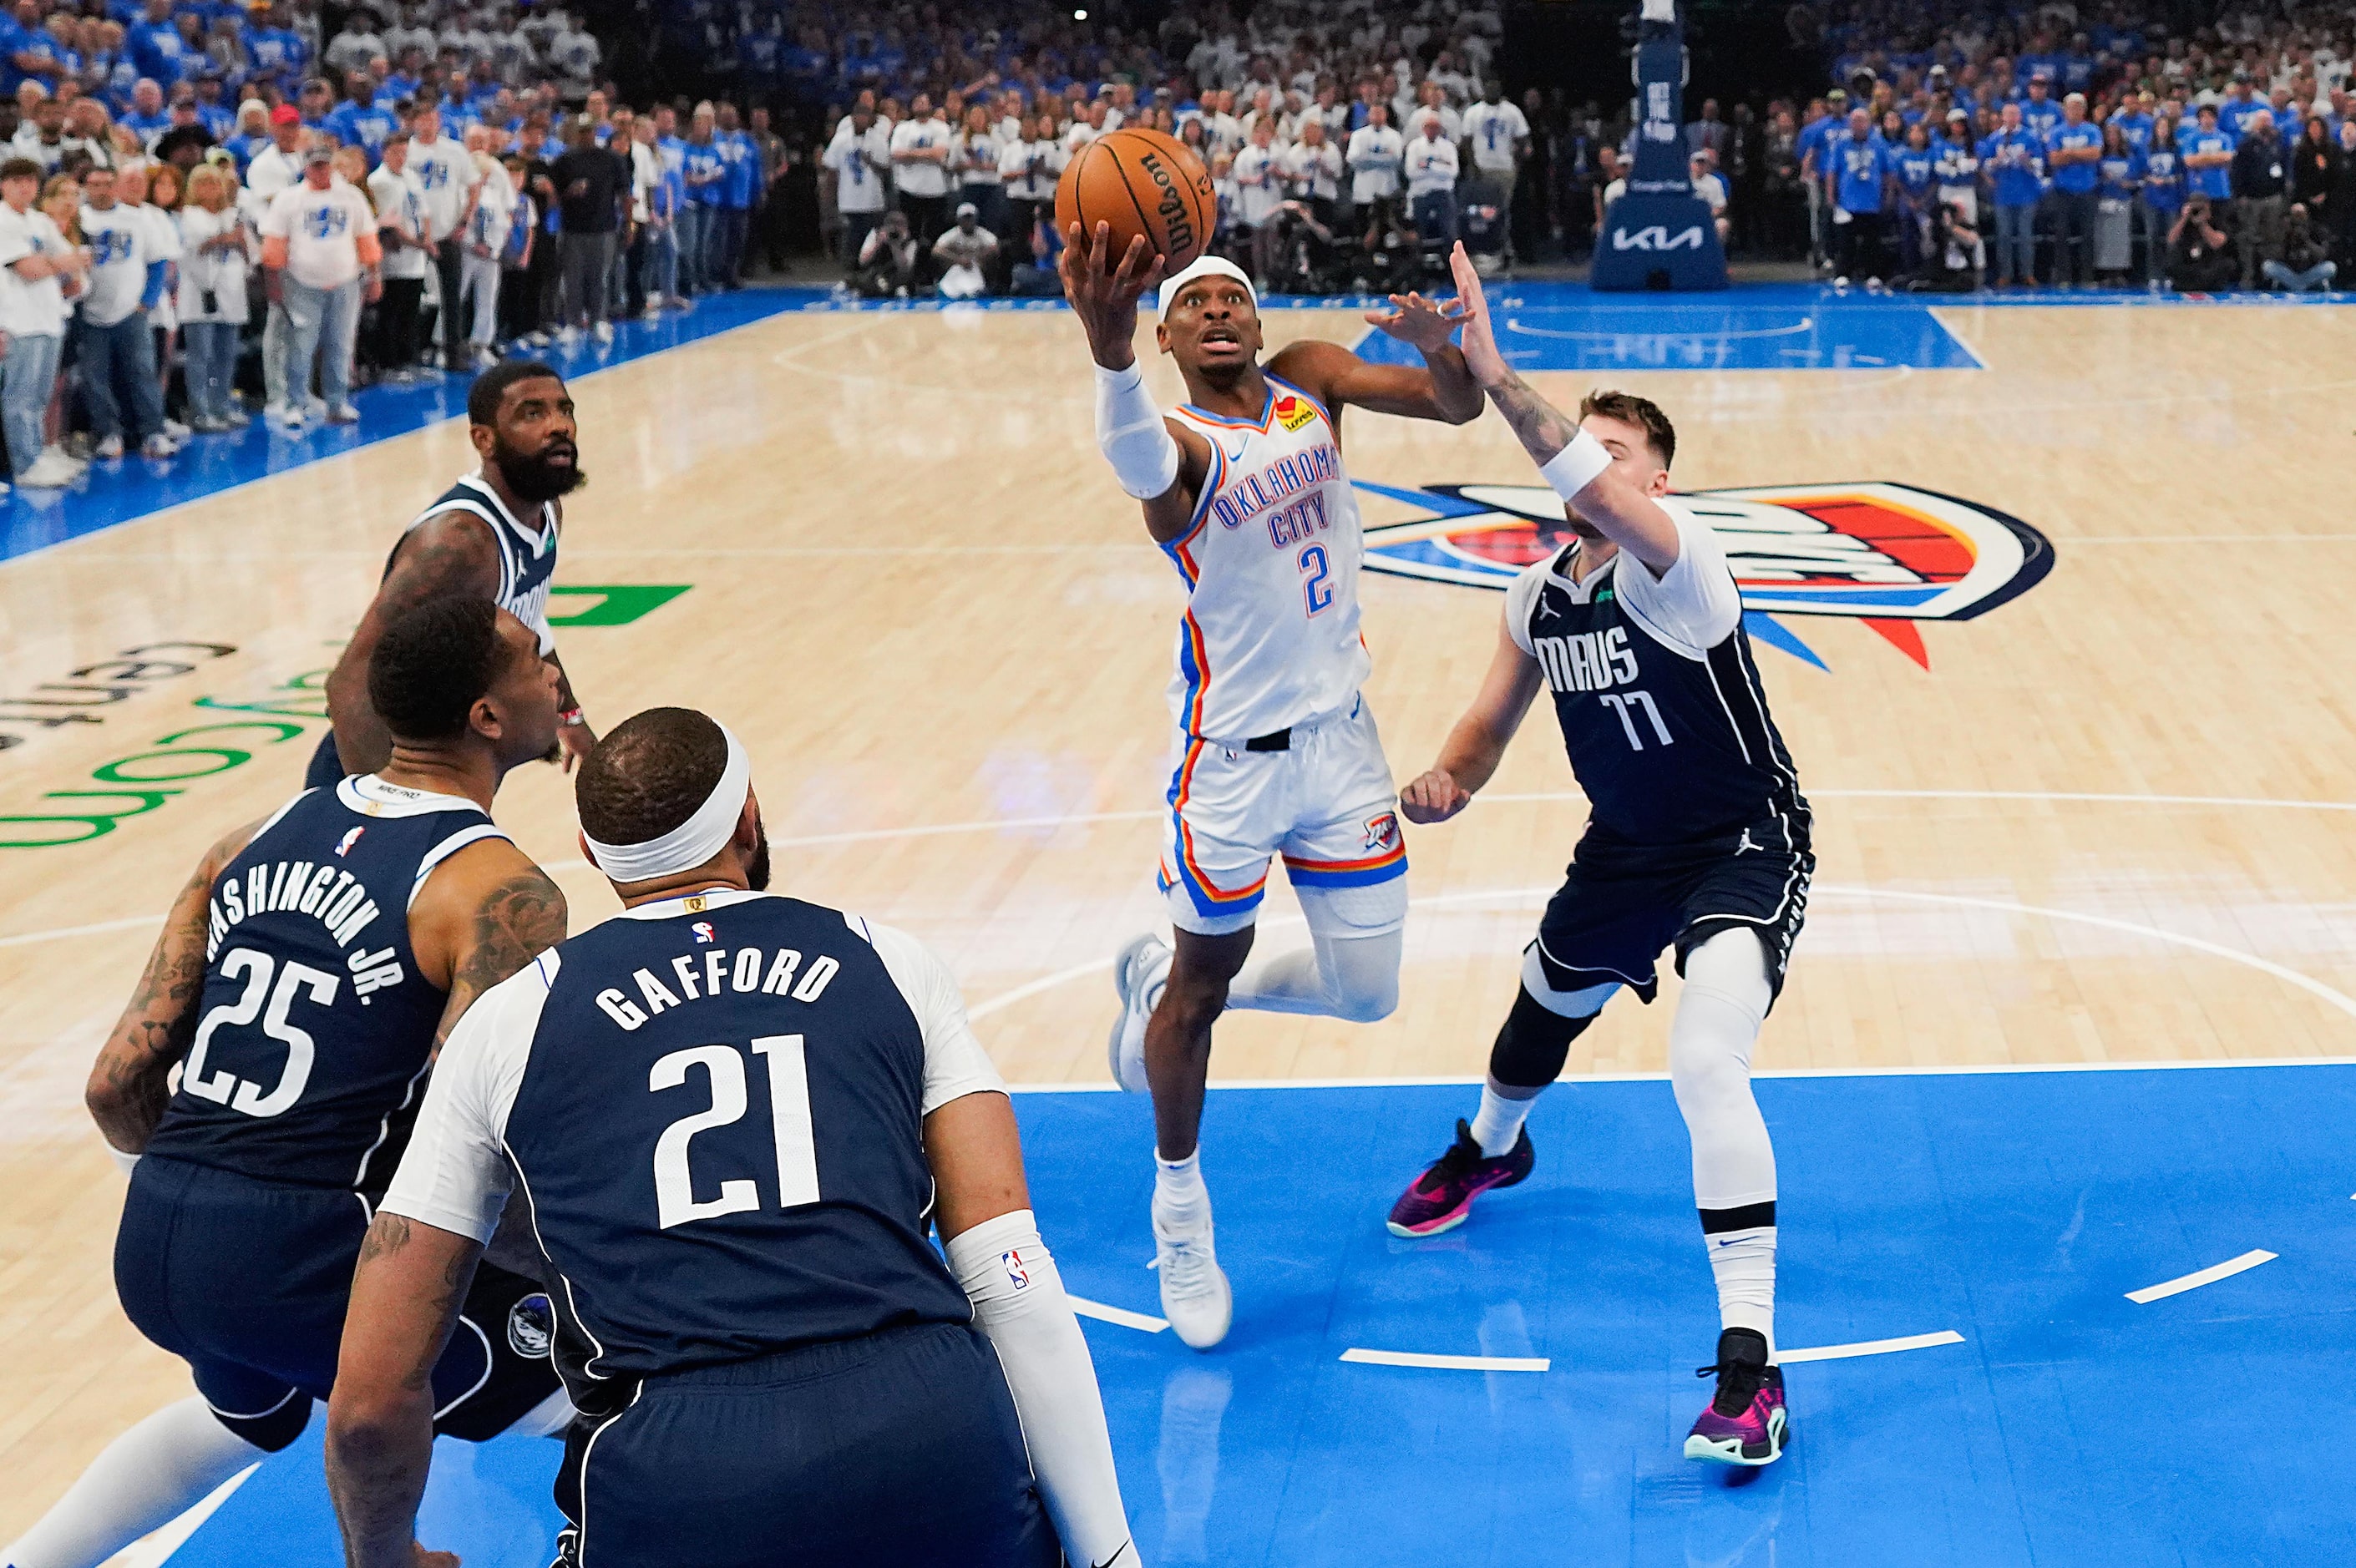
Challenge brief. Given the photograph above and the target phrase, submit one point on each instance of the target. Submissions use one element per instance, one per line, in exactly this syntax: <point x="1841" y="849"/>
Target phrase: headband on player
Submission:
<point x="692" y="842"/>
<point x="1206" y="267"/>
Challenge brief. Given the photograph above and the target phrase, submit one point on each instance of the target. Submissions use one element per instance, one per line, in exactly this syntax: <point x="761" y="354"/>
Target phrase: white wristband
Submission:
<point x="122" y="1162"/>
<point x="1575" y="468"/>
<point x="1132" y="435"/>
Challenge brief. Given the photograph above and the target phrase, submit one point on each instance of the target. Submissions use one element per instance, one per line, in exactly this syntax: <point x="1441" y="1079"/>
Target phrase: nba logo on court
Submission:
<point x="1887" y="555"/>
<point x="351" y="837"/>
<point x="703" y="932"/>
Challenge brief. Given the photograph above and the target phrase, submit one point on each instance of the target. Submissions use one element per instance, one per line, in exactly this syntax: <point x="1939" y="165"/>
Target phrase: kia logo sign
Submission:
<point x="1657" y="238"/>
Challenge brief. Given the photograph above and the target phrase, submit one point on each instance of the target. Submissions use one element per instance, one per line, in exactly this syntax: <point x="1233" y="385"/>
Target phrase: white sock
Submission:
<point x="1744" y="1263"/>
<point x="1181" y="1203"/>
<point x="1499" y="1124"/>
<point x="139" y="1483"/>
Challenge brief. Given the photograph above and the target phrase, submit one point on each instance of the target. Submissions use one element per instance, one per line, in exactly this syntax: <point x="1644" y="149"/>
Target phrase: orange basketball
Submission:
<point x="1140" y="182"/>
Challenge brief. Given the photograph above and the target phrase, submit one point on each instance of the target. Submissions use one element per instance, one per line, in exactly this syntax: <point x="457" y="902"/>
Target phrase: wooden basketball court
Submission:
<point x="2109" y="823"/>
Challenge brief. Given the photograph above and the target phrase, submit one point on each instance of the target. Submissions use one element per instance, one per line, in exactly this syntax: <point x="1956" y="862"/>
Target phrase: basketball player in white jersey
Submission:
<point x="1276" y="753"/>
<point x="492" y="535"/>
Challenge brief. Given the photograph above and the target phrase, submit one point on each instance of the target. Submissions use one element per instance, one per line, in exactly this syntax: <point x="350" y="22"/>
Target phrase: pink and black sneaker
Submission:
<point x="1746" y="1424"/>
<point x="1442" y="1196"/>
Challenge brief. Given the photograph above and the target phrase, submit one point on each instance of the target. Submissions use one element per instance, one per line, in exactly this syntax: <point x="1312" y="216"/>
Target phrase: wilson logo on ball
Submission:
<point x="1888" y="555"/>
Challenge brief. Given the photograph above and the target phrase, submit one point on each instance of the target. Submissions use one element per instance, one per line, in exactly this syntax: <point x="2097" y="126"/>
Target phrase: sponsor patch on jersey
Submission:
<point x="1017" y="1272"/>
<point x="350" y="837"/>
<point x="532" y="1328"/>
<point x="705" y="932"/>
<point x="1890" y="555"/>
<point x="1292" y="412"/>
<point x="1382" y="832"/>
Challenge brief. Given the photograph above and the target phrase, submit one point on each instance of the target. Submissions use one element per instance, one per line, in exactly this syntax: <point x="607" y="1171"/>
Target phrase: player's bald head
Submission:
<point x="649" y="776"/>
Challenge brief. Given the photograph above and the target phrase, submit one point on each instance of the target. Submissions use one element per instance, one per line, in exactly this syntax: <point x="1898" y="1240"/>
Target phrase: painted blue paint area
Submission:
<point x="134" y="487"/>
<point x="2072" y="1426"/>
<point x="1775" y="635"/>
<point x="1760" y="326"/>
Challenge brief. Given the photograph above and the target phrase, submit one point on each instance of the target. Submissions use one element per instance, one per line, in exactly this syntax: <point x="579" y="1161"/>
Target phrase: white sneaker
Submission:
<point x="605" y="332"/>
<point x="52" y="470"/>
<point x="160" y="445"/>
<point x="56" y="453"/>
<point x="1140" y="975"/>
<point x="653" y="311"/>
<point x="568" y="337"/>
<point x="178" y="430"/>
<point x="315" y="408"/>
<point x="343" y="413"/>
<point x="1196" y="1296"/>
<point x="110" y="448"/>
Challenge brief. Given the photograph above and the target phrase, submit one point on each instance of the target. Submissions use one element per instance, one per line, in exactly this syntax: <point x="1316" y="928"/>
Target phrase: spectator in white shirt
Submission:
<point x="857" y="163"/>
<point x="575" y="57"/>
<point x="975" y="157"/>
<point x="1258" y="174"/>
<point x="358" y="44"/>
<point x="118" y="347"/>
<point x="400" y="226"/>
<point x="964" y="252"/>
<point x="920" y="169"/>
<point x="1312" y="169"/>
<point x="485" y="235"/>
<point x="318" y="241"/>
<point x="445" y="173"/>
<point x="1086" y="126"/>
<point x="1711" y="190"/>
<point x="1373" y="155"/>
<point x="1431" y="167"/>
<point x="1499" y="134"/>
<point x="215" y="255"/>
<point x="38" y="274"/>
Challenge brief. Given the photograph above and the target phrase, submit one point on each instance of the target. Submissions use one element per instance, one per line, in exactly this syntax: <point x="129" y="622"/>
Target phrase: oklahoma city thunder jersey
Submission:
<point x="1270" y="559"/>
<point x="314" y="1029"/>
<point x="526" y="556"/>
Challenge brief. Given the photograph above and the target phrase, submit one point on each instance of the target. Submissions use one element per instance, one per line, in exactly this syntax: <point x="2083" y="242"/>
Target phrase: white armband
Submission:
<point x="1574" y="468"/>
<point x="125" y="1163"/>
<point x="1020" y="1306"/>
<point x="1132" y="435"/>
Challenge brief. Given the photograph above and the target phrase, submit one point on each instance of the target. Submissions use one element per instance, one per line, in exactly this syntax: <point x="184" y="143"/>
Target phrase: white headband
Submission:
<point x="692" y="842"/>
<point x="1206" y="267"/>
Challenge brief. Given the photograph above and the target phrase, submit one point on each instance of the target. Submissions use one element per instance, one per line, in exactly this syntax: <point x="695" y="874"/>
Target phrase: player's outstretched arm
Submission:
<point x="1443" y="389"/>
<point x="1158" y="462"/>
<point x="406" y="1293"/>
<point x="452" y="554"/>
<point x="1580" y="467"/>
<point x="130" y="1083"/>
<point x="994" y="1246"/>
<point x="1477" y="744"/>
<point x="484" y="913"/>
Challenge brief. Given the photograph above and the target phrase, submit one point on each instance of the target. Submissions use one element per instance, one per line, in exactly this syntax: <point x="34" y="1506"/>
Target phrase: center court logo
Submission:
<point x="1889" y="556"/>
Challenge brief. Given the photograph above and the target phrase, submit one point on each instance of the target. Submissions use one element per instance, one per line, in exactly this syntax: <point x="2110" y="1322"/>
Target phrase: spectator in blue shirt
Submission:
<point x="277" y="51"/>
<point x="2120" y="174"/>
<point x="739" y="193"/>
<point x="2038" y="112"/>
<point x="704" y="171"/>
<point x="1858" y="175"/>
<point x="2134" y="121"/>
<point x="214" y="115"/>
<point x="2014" y="161"/>
<point x="146" y="117"/>
<point x="2072" y="150"/>
<point x="358" y="122"/>
<point x="155" y="45"/>
<point x="2209" y="159"/>
<point x="2159" y="196"/>
<point x="2239" y="107"/>
<point x="1913" y="164"/>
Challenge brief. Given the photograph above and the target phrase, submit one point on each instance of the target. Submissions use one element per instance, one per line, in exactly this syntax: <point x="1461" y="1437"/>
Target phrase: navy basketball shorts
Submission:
<point x="327" y="769"/>
<point x="899" y="1449"/>
<point x="1621" y="903"/>
<point x="247" y="1282"/>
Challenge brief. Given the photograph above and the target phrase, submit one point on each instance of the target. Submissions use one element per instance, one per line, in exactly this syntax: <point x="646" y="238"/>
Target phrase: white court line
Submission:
<point x="1962" y="1070"/>
<point x="1868" y="1348"/>
<point x="1448" y="1363"/>
<point x="2210" y="1275"/>
<point x="1119" y="1315"/>
<point x="154" y="1549"/>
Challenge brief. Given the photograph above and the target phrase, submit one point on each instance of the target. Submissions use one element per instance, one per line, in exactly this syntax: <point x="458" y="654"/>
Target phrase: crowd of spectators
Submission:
<point x="205" y="209"/>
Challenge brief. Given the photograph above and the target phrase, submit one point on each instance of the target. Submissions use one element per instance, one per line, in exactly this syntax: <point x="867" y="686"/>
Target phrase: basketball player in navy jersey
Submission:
<point x="730" y="1118"/>
<point x="1696" y="838"/>
<point x="305" y="979"/>
<point x="493" y="535"/>
<point x="1275" y="749"/>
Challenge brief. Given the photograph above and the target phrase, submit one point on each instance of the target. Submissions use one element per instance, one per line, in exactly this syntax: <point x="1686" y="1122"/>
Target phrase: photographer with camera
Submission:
<point x="2198" y="259"/>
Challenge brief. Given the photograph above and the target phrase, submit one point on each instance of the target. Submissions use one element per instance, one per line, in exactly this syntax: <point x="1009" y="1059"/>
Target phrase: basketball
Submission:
<point x="1140" y="182"/>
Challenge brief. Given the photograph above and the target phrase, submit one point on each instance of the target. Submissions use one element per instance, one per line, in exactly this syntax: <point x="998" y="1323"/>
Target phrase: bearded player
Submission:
<point x="1276" y="753"/>
<point x="1696" y="838"/>
<point x="491" y="536"/>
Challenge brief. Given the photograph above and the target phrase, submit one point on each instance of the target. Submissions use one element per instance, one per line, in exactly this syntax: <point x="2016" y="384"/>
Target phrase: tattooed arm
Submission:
<point x="484" y="913"/>
<point x="1613" y="503"/>
<point x="454" y="554"/>
<point x="411" y="1279"/>
<point x="127" y="1088"/>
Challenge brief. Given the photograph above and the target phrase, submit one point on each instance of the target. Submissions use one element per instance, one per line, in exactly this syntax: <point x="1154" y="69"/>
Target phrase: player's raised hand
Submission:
<point x="1480" y="356"/>
<point x="1433" y="796"/>
<point x="1104" y="290"/>
<point x="1426" y="323"/>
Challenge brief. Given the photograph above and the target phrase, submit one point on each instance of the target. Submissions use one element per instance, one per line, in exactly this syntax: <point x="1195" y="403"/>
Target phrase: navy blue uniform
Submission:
<point x="527" y="566"/>
<point x="1696" y="821"/>
<point x="313" y="1035"/>
<point x="713" y="1107"/>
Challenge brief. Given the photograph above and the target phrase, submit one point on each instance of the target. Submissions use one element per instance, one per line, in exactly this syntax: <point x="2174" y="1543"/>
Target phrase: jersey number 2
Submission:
<point x="224" y="1087"/>
<point x="789" y="1121"/>
<point x="1316" y="592"/>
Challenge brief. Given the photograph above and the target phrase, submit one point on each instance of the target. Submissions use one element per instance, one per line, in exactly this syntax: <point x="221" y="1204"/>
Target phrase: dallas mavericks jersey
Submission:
<point x="718" y="1123"/>
<point x="1668" y="734"/>
<point x="526" y="556"/>
<point x="1270" y="559"/>
<point x="314" y="1029"/>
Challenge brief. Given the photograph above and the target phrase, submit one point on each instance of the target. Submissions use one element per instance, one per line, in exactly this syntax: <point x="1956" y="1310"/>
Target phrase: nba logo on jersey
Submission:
<point x="344" y="846"/>
<point x="1382" y="832"/>
<point x="703" y="932"/>
<point x="1292" y="412"/>
<point x="1015" y="1271"/>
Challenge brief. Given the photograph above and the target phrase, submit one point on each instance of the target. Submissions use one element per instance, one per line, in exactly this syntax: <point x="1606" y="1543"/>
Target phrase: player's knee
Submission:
<point x="1367" y="999"/>
<point x="1191" y="1002"/>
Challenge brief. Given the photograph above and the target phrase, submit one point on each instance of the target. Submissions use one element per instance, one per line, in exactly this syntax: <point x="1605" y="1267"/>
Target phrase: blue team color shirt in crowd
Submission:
<point x="1912" y="166"/>
<point x="2118" y="172"/>
<point x="704" y="160"/>
<point x="1858" y="168"/>
<point x="2014" y="160"/>
<point x="2163" y="179"/>
<point x="2074" y="178"/>
<point x="2137" y="128"/>
<point x="2039" y="117"/>
<point x="2215" y="182"/>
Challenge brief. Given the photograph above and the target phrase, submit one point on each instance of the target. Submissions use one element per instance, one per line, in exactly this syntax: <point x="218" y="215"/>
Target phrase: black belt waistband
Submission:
<point x="1274" y="741"/>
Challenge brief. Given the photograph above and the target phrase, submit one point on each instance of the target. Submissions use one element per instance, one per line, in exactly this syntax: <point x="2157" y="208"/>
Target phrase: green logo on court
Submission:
<point x="615" y="604"/>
